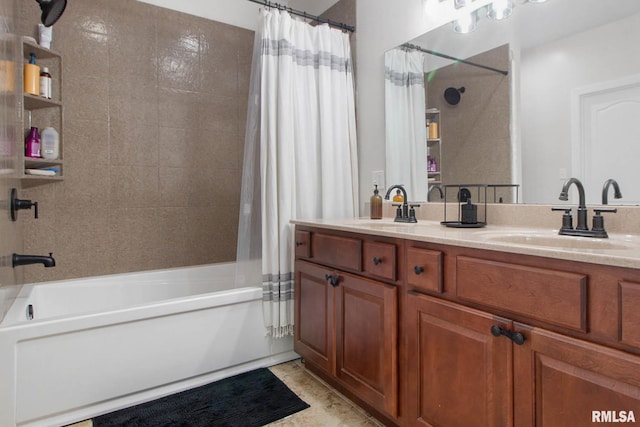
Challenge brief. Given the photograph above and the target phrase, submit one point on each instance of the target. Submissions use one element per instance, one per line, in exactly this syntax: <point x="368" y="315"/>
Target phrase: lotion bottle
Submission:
<point x="376" y="204"/>
<point x="32" y="76"/>
<point x="45" y="83"/>
<point x="49" y="144"/>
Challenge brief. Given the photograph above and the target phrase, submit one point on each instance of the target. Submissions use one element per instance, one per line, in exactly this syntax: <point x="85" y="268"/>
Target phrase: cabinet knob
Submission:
<point x="333" y="280"/>
<point x="418" y="269"/>
<point x="299" y="244"/>
<point x="516" y="337"/>
<point x="377" y="261"/>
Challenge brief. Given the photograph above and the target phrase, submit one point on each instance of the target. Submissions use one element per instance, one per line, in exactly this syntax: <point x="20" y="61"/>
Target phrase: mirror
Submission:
<point x="566" y="108"/>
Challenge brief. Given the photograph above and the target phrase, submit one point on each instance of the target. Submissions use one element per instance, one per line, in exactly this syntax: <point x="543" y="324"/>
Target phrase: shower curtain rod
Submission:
<point x="442" y="55"/>
<point x="306" y="15"/>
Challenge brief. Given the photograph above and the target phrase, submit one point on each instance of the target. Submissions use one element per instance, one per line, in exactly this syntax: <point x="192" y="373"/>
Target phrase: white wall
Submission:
<point x="549" y="74"/>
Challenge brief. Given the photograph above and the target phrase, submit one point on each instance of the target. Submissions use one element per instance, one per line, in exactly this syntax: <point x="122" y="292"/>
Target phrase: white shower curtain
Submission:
<point x="307" y="147"/>
<point x="405" y="122"/>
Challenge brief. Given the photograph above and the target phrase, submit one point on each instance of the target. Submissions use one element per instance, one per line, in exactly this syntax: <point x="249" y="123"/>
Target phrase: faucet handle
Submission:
<point x="412" y="212"/>
<point x="598" y="211"/>
<point x="567" y="219"/>
<point x="598" y="220"/>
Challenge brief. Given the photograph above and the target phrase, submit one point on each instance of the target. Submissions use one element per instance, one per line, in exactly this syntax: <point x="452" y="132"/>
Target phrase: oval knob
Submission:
<point x="299" y="244"/>
<point x="377" y="261"/>
<point x="333" y="280"/>
<point x="418" y="269"/>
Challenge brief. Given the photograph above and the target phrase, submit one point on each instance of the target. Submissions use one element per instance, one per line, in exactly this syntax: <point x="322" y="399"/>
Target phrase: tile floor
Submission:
<point x="327" y="406"/>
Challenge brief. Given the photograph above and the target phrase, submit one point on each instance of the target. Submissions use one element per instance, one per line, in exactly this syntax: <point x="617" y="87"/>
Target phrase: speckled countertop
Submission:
<point x="622" y="250"/>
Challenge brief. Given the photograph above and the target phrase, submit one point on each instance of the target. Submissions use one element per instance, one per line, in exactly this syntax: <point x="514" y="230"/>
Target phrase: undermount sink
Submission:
<point x="557" y="241"/>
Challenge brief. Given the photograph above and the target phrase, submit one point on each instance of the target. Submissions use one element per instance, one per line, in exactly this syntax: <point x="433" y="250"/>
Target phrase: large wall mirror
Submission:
<point x="557" y="95"/>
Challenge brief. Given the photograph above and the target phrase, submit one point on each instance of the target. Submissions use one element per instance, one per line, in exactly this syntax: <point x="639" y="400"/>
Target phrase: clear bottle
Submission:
<point x="376" y="204"/>
<point x="32" y="143"/>
<point x="49" y="144"/>
<point x="45" y="83"/>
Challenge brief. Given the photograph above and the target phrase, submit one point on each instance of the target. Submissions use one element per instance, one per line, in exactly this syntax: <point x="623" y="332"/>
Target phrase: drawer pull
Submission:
<point x="418" y="269"/>
<point x="299" y="244"/>
<point x="333" y="280"/>
<point x="516" y="337"/>
<point x="377" y="261"/>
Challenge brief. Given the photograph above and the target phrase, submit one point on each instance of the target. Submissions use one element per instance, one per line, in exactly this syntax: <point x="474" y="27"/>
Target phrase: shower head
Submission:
<point x="452" y="95"/>
<point x="51" y="11"/>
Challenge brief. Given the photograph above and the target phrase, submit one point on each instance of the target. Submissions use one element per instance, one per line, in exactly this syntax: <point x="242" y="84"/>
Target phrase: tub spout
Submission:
<point x="47" y="261"/>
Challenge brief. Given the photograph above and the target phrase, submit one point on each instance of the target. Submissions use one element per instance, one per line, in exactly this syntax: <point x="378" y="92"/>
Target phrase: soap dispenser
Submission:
<point x="376" y="204"/>
<point x="469" y="213"/>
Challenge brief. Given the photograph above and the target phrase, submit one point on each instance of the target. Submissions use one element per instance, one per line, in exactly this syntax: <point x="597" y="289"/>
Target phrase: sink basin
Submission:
<point x="557" y="241"/>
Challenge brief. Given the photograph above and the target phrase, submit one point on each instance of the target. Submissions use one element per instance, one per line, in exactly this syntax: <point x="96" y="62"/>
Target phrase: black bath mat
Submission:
<point x="251" y="399"/>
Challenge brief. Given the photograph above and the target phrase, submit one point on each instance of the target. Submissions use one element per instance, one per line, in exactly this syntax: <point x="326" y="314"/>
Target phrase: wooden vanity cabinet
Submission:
<point x="445" y="336"/>
<point x="347" y="323"/>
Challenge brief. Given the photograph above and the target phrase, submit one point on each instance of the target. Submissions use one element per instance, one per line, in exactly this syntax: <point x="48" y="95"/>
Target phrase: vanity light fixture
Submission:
<point x="466" y="23"/>
<point x="500" y="9"/>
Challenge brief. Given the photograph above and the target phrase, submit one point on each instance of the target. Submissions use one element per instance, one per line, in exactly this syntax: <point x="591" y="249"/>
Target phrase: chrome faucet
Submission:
<point x="582" y="205"/>
<point x="403" y="213"/>
<point x="605" y="191"/>
<point x="434" y="187"/>
<point x="581" y="229"/>
<point x="47" y="261"/>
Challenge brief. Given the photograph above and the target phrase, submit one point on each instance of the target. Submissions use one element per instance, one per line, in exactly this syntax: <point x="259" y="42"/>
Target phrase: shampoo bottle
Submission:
<point x="376" y="204"/>
<point x="49" y="144"/>
<point x="32" y="76"/>
<point x="32" y="143"/>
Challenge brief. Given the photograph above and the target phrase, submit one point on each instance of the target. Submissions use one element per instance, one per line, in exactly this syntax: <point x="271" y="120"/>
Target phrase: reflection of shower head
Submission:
<point x="51" y="11"/>
<point x="452" y="95"/>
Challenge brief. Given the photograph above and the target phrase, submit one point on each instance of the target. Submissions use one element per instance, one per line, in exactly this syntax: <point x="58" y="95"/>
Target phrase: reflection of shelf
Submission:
<point x="433" y="139"/>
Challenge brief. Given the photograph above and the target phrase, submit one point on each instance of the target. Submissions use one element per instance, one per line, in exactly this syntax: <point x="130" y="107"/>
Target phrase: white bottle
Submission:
<point x="49" y="144"/>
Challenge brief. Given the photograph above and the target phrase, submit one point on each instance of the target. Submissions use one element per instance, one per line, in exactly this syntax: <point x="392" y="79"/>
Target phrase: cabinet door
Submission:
<point x="458" y="373"/>
<point x="561" y="381"/>
<point x="367" y="340"/>
<point x="314" y="336"/>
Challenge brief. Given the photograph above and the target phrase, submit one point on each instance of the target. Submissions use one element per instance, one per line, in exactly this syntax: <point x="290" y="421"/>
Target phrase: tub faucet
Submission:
<point x="403" y="213"/>
<point x="605" y="191"/>
<point x="582" y="205"/>
<point x="434" y="187"/>
<point x="47" y="261"/>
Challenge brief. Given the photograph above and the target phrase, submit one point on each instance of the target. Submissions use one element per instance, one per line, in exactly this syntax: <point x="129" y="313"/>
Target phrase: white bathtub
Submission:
<point x="100" y="344"/>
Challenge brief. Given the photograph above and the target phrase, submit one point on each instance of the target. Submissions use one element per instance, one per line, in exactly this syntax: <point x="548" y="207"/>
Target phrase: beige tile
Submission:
<point x="132" y="142"/>
<point x="327" y="406"/>
<point x="133" y="186"/>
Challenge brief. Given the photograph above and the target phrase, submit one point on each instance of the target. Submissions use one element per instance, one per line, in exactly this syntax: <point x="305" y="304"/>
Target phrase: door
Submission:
<point x="367" y="340"/>
<point x="605" y="139"/>
<point x="459" y="374"/>
<point x="314" y="336"/>
<point x="561" y="381"/>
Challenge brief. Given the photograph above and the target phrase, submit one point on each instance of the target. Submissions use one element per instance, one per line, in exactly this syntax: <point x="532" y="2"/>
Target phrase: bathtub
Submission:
<point x="99" y="344"/>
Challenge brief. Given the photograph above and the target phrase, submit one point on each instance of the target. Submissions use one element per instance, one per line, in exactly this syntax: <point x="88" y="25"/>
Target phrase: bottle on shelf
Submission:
<point x="32" y="143"/>
<point x="49" y="144"/>
<point x="45" y="83"/>
<point x="32" y="76"/>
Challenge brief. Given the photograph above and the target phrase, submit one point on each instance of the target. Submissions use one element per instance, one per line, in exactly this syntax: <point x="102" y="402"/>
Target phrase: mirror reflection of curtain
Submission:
<point x="300" y="152"/>
<point x="405" y="122"/>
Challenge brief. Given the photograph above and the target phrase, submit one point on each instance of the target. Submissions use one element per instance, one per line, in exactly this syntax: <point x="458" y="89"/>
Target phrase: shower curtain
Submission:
<point x="405" y="122"/>
<point x="300" y="150"/>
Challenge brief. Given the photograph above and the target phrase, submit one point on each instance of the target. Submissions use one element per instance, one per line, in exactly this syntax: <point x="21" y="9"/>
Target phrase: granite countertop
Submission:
<point x="622" y="250"/>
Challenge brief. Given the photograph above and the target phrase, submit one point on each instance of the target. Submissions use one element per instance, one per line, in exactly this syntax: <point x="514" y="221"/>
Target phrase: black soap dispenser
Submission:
<point x="469" y="213"/>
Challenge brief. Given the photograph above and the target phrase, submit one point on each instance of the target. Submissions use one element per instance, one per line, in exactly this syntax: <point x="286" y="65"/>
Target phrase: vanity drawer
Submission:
<point x="380" y="259"/>
<point x="337" y="251"/>
<point x="303" y="244"/>
<point x="550" y="296"/>
<point x="629" y="301"/>
<point x="424" y="269"/>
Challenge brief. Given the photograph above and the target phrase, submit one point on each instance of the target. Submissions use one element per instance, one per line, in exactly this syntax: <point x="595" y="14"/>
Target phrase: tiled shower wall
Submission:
<point x="155" y="108"/>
